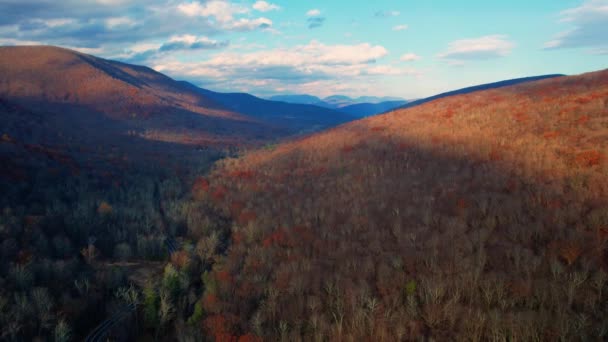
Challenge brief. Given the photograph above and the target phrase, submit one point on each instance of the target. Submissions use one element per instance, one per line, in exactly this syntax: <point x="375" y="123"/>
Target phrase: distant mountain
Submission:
<point x="359" y="107"/>
<point x="298" y="117"/>
<point x="376" y="99"/>
<point x="368" y="109"/>
<point x="487" y="86"/>
<point x="298" y="99"/>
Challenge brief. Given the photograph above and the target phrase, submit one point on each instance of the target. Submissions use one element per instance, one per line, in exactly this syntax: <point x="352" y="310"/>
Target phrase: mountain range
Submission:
<point x="477" y="214"/>
<point x="358" y="107"/>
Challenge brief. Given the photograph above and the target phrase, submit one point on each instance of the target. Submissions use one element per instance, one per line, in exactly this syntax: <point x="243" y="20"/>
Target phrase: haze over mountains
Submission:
<point x="359" y="107"/>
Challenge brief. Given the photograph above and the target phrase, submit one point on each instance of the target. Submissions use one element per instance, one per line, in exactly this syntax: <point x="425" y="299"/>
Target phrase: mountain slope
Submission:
<point x="479" y="215"/>
<point x="487" y="86"/>
<point x="81" y="86"/>
<point x="138" y="98"/>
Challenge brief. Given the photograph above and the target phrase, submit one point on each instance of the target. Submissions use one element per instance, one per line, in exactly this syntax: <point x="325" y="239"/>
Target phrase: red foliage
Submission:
<point x="237" y="237"/>
<point x="403" y="146"/>
<point x="583" y="100"/>
<point x="583" y="119"/>
<point x="236" y="208"/>
<point x="521" y="117"/>
<point x="554" y="204"/>
<point x="462" y="204"/>
<point x="210" y="303"/>
<point x="588" y="158"/>
<point x="551" y="135"/>
<point x="245" y="217"/>
<point x="278" y="237"/>
<point x="220" y="193"/>
<point x="221" y="327"/>
<point x="347" y="148"/>
<point x="319" y="171"/>
<point x="244" y="175"/>
<point x="495" y="155"/>
<point x="448" y="114"/>
<point x="250" y="338"/>
<point x="223" y="277"/>
<point x="378" y="129"/>
<point x="602" y="234"/>
<point x="201" y="184"/>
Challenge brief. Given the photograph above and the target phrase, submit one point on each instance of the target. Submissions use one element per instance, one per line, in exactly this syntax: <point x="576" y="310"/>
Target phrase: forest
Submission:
<point x="477" y="217"/>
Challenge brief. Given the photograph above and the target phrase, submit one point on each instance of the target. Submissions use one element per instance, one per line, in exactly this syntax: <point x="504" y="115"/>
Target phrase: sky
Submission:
<point x="409" y="49"/>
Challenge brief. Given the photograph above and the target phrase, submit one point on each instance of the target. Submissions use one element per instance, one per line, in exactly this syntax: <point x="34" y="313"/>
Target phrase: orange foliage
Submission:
<point x="353" y="200"/>
<point x="6" y="138"/>
<point x="104" y="208"/>
<point x="246" y="175"/>
<point x="180" y="259"/>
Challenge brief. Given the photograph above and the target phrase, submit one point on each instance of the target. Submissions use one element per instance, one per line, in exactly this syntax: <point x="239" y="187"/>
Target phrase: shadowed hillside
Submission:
<point x="367" y="109"/>
<point x="477" y="217"/>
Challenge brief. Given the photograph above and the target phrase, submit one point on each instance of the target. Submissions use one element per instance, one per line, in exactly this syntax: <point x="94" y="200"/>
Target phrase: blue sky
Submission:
<point x="401" y="48"/>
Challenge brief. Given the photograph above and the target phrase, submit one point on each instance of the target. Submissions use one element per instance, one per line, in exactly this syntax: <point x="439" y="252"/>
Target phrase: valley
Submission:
<point x="137" y="207"/>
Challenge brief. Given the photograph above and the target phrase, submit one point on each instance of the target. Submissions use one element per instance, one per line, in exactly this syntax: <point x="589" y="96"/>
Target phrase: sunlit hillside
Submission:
<point x="475" y="217"/>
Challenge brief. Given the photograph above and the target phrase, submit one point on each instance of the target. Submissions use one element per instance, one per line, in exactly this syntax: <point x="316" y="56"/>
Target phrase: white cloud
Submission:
<point x="487" y="47"/>
<point x="589" y="26"/>
<point x="410" y="57"/>
<point x="245" y="24"/>
<point x="313" y="13"/>
<point x="52" y="23"/>
<point x="112" y="2"/>
<point x="298" y="67"/>
<point x="191" y="42"/>
<point x="121" y="22"/>
<point x="400" y="28"/>
<point x="222" y="11"/>
<point x="225" y="12"/>
<point x="264" y="6"/>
